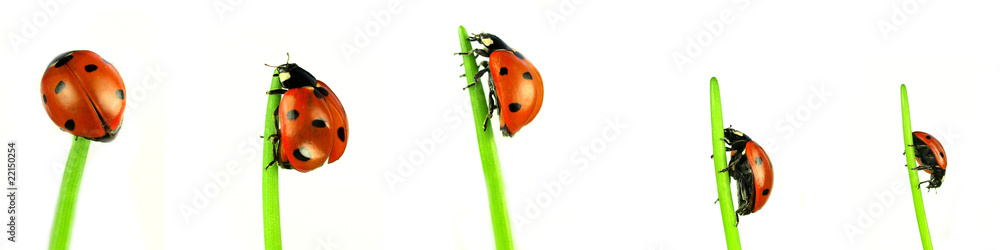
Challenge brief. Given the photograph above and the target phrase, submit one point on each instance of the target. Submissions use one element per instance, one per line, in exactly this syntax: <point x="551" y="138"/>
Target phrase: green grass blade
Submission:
<point x="487" y="151"/>
<point x="62" y="225"/>
<point x="272" y="214"/>
<point x="918" y="199"/>
<point x="722" y="179"/>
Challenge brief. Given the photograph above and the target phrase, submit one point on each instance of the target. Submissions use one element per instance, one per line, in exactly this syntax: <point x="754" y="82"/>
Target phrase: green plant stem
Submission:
<point x="272" y="212"/>
<point x="62" y="225"/>
<point x="487" y="151"/>
<point x="722" y="178"/>
<point x="918" y="199"/>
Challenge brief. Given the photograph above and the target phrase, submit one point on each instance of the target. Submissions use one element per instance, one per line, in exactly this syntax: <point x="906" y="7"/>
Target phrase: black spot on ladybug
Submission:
<point x="291" y="115"/>
<point x="62" y="59"/>
<point x="765" y="192"/>
<point x="46" y="101"/>
<point x="323" y="91"/>
<point x="503" y="71"/>
<point x="928" y="137"/>
<point x="318" y="92"/>
<point x="120" y="94"/>
<point x="526" y="76"/>
<point x="60" y="86"/>
<point x="90" y="68"/>
<point x="319" y="123"/>
<point x="758" y="161"/>
<point x="302" y="154"/>
<point x="519" y="55"/>
<point x="340" y="134"/>
<point x="514" y="107"/>
<point x="941" y="154"/>
<point x="70" y="125"/>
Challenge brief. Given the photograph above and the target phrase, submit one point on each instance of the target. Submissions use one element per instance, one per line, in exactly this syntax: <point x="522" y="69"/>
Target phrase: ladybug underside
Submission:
<point x="927" y="161"/>
<point x="741" y="172"/>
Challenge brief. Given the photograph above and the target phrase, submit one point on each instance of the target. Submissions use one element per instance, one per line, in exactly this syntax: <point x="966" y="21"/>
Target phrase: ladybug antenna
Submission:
<point x="287" y="59"/>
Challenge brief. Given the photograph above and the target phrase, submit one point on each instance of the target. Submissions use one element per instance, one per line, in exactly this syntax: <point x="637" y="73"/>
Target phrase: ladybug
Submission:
<point x="515" y="85"/>
<point x="310" y="121"/>
<point x="84" y="95"/>
<point x="930" y="157"/>
<point x="751" y="168"/>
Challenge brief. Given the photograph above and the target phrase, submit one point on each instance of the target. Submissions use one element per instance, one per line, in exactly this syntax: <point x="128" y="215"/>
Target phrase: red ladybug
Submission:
<point x="751" y="168"/>
<point x="311" y="124"/>
<point x="84" y="95"/>
<point x="515" y="85"/>
<point x="930" y="157"/>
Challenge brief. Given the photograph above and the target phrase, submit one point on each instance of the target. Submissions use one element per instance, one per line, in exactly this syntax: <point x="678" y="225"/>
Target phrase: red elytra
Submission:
<point x="763" y="175"/>
<point x="84" y="95"/>
<point x="310" y="120"/>
<point x="519" y="90"/>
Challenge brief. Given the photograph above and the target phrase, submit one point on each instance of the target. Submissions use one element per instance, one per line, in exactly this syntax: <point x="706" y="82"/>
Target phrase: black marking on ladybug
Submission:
<point x="44" y="101"/>
<point x="70" y="125"/>
<point x="120" y="94"/>
<point x="291" y="115"/>
<point x="519" y="55"/>
<point x="323" y="91"/>
<point x="526" y="76"/>
<point x="514" y="107"/>
<point x="928" y="137"/>
<point x="939" y="153"/>
<point x="60" y="86"/>
<point x="758" y="161"/>
<point x="90" y="68"/>
<point x="503" y="71"/>
<point x="302" y="154"/>
<point x="340" y="134"/>
<point x="766" y="192"/>
<point x="319" y="123"/>
<point x="62" y="59"/>
<point x="317" y="93"/>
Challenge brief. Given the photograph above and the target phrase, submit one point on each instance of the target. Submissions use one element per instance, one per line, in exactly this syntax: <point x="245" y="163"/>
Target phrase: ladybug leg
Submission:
<point x="922" y="182"/>
<point x="275" y="139"/>
<point x="478" y="76"/>
<point x="492" y="106"/>
<point x="727" y="169"/>
<point x="474" y="53"/>
<point x="921" y="167"/>
<point x="486" y="68"/>
<point x="276" y="91"/>
<point x="727" y="150"/>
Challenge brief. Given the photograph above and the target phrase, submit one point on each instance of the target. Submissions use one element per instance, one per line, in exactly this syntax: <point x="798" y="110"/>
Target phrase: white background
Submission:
<point x="195" y="80"/>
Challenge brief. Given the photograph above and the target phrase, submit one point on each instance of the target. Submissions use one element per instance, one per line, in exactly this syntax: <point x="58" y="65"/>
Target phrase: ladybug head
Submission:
<point x="293" y="76"/>
<point x="492" y="42"/>
<point x="732" y="135"/>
